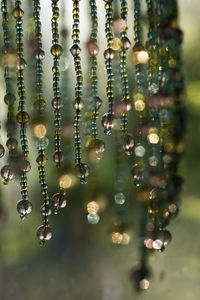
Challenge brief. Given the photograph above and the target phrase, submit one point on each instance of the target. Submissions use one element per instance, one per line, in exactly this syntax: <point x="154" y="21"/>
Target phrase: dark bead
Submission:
<point x="125" y="43"/>
<point x="128" y="142"/>
<point x="24" y="208"/>
<point x="59" y="201"/>
<point x="22" y="117"/>
<point x="57" y="103"/>
<point x="41" y="160"/>
<point x="75" y="50"/>
<point x="40" y="104"/>
<point x="109" y="54"/>
<point x="21" y="64"/>
<point x="39" y="54"/>
<point x="141" y="277"/>
<point x="8" y="173"/>
<point x="58" y="157"/>
<point x="44" y="233"/>
<point x="92" y="48"/>
<point x="9" y="99"/>
<point x="11" y="144"/>
<point x="82" y="170"/>
<point x="2" y="150"/>
<point x="25" y="166"/>
<point x="78" y="103"/>
<point x="108" y="121"/>
<point x="45" y="210"/>
<point x="98" y="103"/>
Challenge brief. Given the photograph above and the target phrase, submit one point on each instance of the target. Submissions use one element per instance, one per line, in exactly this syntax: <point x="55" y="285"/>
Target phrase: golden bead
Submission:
<point x="66" y="181"/>
<point x="17" y="13"/>
<point x="40" y="130"/>
<point x="56" y="50"/>
<point x="41" y="160"/>
<point x="22" y="117"/>
<point x="92" y="207"/>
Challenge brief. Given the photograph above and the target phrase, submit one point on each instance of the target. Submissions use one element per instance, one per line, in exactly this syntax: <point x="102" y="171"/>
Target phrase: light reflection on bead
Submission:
<point x="24" y="208"/>
<point x="2" y="150"/>
<point x="93" y="218"/>
<point x="44" y="233"/>
<point x="66" y="181"/>
<point x="92" y="207"/>
<point x="119" y="198"/>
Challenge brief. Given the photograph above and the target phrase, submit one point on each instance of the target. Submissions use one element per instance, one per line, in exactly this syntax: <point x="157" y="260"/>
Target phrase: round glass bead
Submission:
<point x="139" y="150"/>
<point x="120" y="198"/>
<point x="8" y="173"/>
<point x="44" y="233"/>
<point x="39" y="54"/>
<point x="9" y="99"/>
<point x="24" y="208"/>
<point x="2" y="150"/>
<point x="25" y="166"/>
<point x="45" y="210"/>
<point x="11" y="144"/>
<point x="56" y="50"/>
<point x="59" y="201"/>
<point x="93" y="218"/>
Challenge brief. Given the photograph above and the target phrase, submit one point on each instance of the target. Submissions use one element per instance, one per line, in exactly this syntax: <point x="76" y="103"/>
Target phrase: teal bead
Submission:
<point x="42" y="143"/>
<point x="93" y="218"/>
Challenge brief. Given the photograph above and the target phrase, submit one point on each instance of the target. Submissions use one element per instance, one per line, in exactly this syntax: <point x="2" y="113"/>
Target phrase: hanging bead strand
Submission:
<point x="24" y="207"/>
<point x="109" y="54"/>
<point x="44" y="232"/>
<point x="56" y="51"/>
<point x="9" y="65"/>
<point x="82" y="168"/>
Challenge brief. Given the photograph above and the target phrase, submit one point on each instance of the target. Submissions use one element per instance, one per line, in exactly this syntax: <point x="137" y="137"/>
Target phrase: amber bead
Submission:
<point x="41" y="160"/>
<point x="56" y="50"/>
<point x="22" y="117"/>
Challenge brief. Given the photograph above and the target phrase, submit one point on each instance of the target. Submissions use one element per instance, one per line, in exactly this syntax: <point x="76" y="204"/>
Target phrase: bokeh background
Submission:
<point x="80" y="262"/>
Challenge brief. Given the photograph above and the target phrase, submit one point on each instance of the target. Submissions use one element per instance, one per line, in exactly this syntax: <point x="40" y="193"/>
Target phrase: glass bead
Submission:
<point x="107" y="121"/>
<point x="41" y="160"/>
<point x="109" y="54"/>
<point x="75" y="50"/>
<point x="2" y="150"/>
<point x="44" y="233"/>
<point x="120" y="198"/>
<point x="128" y="142"/>
<point x="59" y="201"/>
<point x="92" y="48"/>
<point x="78" y="103"/>
<point x="58" y="157"/>
<point x="11" y="144"/>
<point x="22" y="117"/>
<point x="39" y="104"/>
<point x="25" y="166"/>
<point x="9" y="99"/>
<point x="139" y="150"/>
<point x="21" y="64"/>
<point x="98" y="103"/>
<point x="153" y="161"/>
<point x="95" y="149"/>
<point x="42" y="143"/>
<point x="93" y="218"/>
<point x="24" y="208"/>
<point x="57" y="103"/>
<point x="8" y="173"/>
<point x="137" y="172"/>
<point x="56" y="50"/>
<point x="17" y="13"/>
<point x="125" y="43"/>
<point x="82" y="170"/>
<point x="39" y="54"/>
<point x="141" y="277"/>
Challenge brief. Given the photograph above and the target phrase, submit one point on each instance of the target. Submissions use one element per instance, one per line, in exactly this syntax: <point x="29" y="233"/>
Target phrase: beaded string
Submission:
<point x="109" y="54"/>
<point x="56" y="51"/>
<point x="24" y="206"/>
<point x="9" y="65"/>
<point x="93" y="50"/>
<point x="123" y="60"/>
<point x="82" y="168"/>
<point x="43" y="232"/>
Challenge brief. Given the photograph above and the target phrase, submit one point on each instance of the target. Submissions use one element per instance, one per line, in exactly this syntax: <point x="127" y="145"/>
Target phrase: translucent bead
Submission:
<point x="108" y="122"/>
<point x="109" y="54"/>
<point x="58" y="157"/>
<point x="95" y="149"/>
<point x="141" y="277"/>
<point x="139" y="150"/>
<point x="128" y="142"/>
<point x="125" y="43"/>
<point x="44" y="233"/>
<point x="75" y="50"/>
<point x="8" y="173"/>
<point x="21" y="64"/>
<point x="57" y="103"/>
<point x="82" y="170"/>
<point x="56" y="50"/>
<point x="9" y="99"/>
<point x="92" y="48"/>
<point x="25" y="166"/>
<point x="153" y="161"/>
<point x="11" y="144"/>
<point x="59" y="201"/>
<point x="98" y="103"/>
<point x="119" y="198"/>
<point x="24" y="208"/>
<point x="93" y="218"/>
<point x="137" y="172"/>
<point x="39" y="54"/>
<point x="42" y="143"/>
<point x="2" y="150"/>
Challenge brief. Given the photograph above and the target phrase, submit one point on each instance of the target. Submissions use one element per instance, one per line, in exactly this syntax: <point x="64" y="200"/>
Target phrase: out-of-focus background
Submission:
<point x="80" y="262"/>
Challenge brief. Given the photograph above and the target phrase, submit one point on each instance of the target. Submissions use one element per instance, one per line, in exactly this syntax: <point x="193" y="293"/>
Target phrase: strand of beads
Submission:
<point x="140" y="56"/>
<point x="82" y="168"/>
<point x="125" y="103"/>
<point x="9" y="60"/>
<point x="109" y="54"/>
<point x="56" y="51"/>
<point x="95" y="146"/>
<point x="24" y="207"/>
<point x="44" y="232"/>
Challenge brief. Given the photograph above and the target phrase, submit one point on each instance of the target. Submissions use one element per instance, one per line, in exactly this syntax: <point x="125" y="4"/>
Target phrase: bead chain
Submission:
<point x="93" y="69"/>
<point x="56" y="51"/>
<point x="109" y="55"/>
<point x="78" y="103"/>
<point x="123" y="61"/>
<point x="22" y="116"/>
<point x="9" y="98"/>
<point x="41" y="159"/>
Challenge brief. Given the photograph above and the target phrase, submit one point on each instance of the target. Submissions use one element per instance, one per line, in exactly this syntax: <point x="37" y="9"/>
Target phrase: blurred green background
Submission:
<point x="80" y="263"/>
